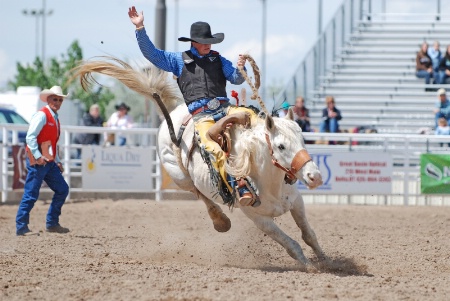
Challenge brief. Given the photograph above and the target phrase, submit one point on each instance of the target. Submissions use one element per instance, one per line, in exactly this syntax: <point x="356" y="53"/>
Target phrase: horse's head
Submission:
<point x="285" y="141"/>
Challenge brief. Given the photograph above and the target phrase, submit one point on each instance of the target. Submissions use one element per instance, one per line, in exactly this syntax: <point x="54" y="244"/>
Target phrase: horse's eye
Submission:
<point x="281" y="147"/>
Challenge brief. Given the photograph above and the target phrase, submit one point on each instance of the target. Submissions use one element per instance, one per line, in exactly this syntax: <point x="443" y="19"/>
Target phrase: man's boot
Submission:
<point x="247" y="196"/>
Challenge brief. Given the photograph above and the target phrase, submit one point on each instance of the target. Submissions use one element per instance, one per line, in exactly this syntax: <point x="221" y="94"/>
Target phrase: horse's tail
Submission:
<point x="151" y="80"/>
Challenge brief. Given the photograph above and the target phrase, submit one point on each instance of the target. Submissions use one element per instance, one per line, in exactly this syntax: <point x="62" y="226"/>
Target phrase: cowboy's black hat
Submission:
<point x="122" y="106"/>
<point x="201" y="33"/>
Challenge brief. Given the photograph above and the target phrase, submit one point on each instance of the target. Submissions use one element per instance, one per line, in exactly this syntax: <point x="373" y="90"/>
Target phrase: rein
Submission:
<point x="300" y="159"/>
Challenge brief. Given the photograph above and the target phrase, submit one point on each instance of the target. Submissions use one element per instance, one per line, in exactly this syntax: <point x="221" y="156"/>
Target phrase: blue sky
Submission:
<point x="102" y="27"/>
<point x="291" y="29"/>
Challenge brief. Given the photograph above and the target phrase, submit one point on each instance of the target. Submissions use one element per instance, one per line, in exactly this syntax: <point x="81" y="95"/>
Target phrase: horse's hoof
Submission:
<point x="223" y="224"/>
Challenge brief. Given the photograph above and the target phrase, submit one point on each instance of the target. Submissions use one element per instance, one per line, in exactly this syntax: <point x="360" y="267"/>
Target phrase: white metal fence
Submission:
<point x="405" y="151"/>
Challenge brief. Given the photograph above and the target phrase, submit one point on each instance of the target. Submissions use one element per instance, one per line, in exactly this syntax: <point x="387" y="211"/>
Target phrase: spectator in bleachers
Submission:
<point x="435" y="54"/>
<point x="120" y="120"/>
<point x="424" y="67"/>
<point x="444" y="67"/>
<point x="442" y="107"/>
<point x="330" y="117"/>
<point x="302" y="114"/>
<point x="92" y="118"/>
<point x="284" y="109"/>
<point x="442" y="128"/>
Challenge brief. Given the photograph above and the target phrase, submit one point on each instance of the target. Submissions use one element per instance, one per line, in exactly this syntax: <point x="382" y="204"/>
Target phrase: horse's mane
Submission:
<point x="146" y="82"/>
<point x="252" y="141"/>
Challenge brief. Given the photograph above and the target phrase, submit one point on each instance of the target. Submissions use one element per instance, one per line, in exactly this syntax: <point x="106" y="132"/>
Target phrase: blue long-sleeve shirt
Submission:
<point x="37" y="122"/>
<point x="173" y="62"/>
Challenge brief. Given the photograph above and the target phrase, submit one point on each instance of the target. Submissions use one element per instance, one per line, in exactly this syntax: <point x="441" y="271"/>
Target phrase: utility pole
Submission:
<point x="39" y="13"/>
<point x="160" y="42"/>
<point x="160" y="24"/>
<point x="176" y="24"/>
<point x="44" y="16"/>
<point x="263" y="50"/>
<point x="319" y="25"/>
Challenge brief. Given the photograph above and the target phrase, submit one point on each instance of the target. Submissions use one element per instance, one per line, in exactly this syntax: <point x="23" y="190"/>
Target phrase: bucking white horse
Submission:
<point x="268" y="152"/>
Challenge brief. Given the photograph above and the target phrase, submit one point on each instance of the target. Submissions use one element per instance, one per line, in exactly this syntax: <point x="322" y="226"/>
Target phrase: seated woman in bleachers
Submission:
<point x="424" y="67"/>
<point x="330" y="117"/>
<point x="444" y="67"/>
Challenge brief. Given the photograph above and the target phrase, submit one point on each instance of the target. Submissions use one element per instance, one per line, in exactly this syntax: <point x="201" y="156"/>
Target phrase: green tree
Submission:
<point x="57" y="73"/>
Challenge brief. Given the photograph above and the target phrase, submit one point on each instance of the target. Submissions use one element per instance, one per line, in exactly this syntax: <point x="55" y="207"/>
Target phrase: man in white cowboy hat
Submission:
<point x="202" y="75"/>
<point x="43" y="164"/>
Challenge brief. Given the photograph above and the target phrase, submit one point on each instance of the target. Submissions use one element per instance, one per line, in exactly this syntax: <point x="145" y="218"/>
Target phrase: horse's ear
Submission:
<point x="290" y="114"/>
<point x="270" y="125"/>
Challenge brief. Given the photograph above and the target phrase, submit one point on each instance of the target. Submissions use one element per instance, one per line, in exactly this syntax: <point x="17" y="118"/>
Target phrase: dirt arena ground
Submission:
<point x="144" y="250"/>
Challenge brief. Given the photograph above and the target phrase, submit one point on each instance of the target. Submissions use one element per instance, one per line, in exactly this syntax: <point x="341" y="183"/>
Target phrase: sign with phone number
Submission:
<point x="353" y="173"/>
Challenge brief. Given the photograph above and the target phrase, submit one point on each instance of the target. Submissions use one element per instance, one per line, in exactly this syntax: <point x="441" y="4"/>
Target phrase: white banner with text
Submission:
<point x="116" y="167"/>
<point x="353" y="173"/>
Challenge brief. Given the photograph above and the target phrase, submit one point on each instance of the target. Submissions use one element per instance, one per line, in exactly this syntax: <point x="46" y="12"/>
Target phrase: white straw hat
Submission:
<point x="55" y="90"/>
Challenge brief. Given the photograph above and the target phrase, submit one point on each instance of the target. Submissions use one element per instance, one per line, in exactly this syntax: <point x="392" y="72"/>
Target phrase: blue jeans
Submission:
<point x="51" y="174"/>
<point x="442" y="77"/>
<point x="330" y="125"/>
<point x="122" y="141"/>
<point x="425" y="74"/>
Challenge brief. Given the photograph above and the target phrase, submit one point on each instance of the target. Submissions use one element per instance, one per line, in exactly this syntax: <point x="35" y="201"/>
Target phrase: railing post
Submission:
<point x="369" y="15"/>
<point x="305" y="82"/>
<point x="5" y="165"/>
<point x="334" y="38"/>
<point x="324" y="65"/>
<point x="343" y="25"/>
<point x="406" y="175"/>
<point x="295" y="88"/>
<point x="316" y="63"/>
<point x="438" y="16"/>
<point x="67" y="175"/>
<point x="351" y="16"/>
<point x="361" y="2"/>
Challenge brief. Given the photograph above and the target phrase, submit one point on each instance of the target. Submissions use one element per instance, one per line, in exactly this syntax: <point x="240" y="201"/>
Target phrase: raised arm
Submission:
<point x="136" y="18"/>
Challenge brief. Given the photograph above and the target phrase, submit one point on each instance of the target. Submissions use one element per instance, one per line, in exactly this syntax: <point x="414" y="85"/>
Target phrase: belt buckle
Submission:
<point x="213" y="104"/>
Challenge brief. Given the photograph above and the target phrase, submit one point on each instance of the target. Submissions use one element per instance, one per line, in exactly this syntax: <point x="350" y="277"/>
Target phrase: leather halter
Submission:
<point x="300" y="159"/>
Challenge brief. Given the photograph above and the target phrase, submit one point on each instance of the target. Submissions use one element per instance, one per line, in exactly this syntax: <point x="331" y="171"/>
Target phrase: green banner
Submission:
<point x="435" y="174"/>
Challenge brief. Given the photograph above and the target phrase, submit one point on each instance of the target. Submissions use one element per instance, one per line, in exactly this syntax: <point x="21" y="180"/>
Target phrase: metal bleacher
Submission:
<point x="373" y="78"/>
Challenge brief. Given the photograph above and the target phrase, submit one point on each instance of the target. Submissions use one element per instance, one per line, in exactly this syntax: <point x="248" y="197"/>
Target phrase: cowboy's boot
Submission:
<point x="247" y="195"/>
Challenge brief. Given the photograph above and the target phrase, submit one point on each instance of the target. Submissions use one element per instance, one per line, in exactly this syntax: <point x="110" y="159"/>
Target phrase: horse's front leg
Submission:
<point x="220" y="221"/>
<point x="308" y="235"/>
<point x="268" y="226"/>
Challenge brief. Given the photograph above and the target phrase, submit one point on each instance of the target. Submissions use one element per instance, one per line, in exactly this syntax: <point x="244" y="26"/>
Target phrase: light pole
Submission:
<point x="263" y="50"/>
<point x="37" y="14"/>
<point x="176" y="24"/>
<point x="44" y="15"/>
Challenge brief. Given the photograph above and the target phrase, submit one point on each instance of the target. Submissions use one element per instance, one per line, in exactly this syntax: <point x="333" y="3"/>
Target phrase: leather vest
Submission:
<point x="202" y="77"/>
<point x="49" y="131"/>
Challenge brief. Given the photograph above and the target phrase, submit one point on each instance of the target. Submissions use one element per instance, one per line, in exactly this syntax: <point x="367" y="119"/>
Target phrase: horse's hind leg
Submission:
<point x="268" y="226"/>
<point x="221" y="222"/>
<point x="308" y="235"/>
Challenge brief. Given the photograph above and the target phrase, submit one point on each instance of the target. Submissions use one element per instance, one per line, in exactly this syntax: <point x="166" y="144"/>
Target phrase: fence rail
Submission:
<point x="404" y="149"/>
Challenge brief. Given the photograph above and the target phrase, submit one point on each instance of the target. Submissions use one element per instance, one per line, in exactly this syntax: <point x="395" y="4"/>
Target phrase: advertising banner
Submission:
<point x="353" y="173"/>
<point x="434" y="174"/>
<point x="115" y="167"/>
